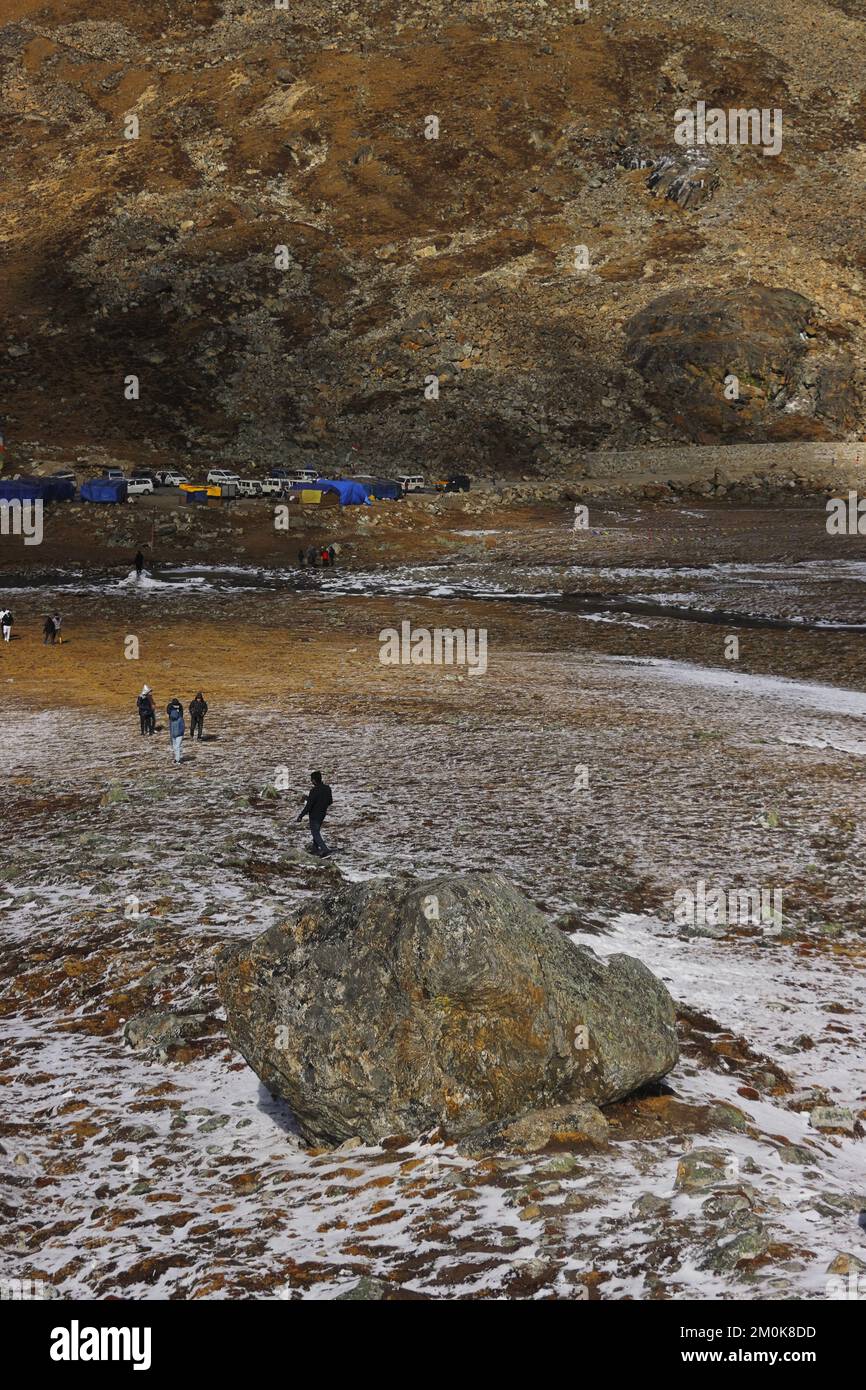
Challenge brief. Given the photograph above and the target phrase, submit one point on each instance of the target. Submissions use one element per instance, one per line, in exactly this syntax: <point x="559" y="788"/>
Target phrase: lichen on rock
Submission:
<point x="401" y="1004"/>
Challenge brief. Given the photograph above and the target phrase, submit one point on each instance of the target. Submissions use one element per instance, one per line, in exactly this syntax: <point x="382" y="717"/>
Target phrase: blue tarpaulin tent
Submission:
<point x="60" y="490"/>
<point x="385" y="491"/>
<point x="104" y="490"/>
<point x="33" y="489"/>
<point x="351" y="494"/>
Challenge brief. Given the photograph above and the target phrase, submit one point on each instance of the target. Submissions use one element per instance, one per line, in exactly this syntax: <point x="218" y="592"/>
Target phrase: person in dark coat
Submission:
<point x="197" y="712"/>
<point x="332" y="555"/>
<point x="302" y="558"/>
<point x="311" y="557"/>
<point x="49" y="631"/>
<point x="176" y="727"/>
<point x="146" y="710"/>
<point x="318" y="800"/>
<point x="139" y="564"/>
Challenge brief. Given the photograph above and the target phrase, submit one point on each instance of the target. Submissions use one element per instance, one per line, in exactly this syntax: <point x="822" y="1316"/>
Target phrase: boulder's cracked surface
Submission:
<point x="399" y="1005"/>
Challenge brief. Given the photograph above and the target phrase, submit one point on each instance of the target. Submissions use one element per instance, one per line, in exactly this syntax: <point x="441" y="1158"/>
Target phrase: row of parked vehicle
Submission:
<point x="277" y="484"/>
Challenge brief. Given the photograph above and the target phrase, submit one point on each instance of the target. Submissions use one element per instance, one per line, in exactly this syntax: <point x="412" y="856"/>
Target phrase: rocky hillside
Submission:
<point x="407" y="258"/>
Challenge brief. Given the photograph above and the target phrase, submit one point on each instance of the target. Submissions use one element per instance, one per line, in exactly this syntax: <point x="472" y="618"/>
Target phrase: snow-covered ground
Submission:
<point x="129" y="1173"/>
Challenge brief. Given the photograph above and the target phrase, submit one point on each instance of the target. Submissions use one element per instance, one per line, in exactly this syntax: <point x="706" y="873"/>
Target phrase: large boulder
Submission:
<point x="398" y="1005"/>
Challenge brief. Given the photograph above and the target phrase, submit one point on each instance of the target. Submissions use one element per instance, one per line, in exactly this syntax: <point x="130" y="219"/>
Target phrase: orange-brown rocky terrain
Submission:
<point x="238" y="206"/>
<point x="406" y="257"/>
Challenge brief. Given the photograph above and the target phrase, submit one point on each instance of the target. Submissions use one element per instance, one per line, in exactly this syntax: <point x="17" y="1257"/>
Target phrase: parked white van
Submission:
<point x="217" y="476"/>
<point x="273" y="486"/>
<point x="249" y="487"/>
<point x="411" y="482"/>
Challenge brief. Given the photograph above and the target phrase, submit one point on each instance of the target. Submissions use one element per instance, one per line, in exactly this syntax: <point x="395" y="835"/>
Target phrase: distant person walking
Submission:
<point x="49" y="631"/>
<point x="146" y="710"/>
<point x="139" y="564"/>
<point x="326" y="558"/>
<point x="197" y="712"/>
<point x="176" y="727"/>
<point x="6" y="621"/>
<point x="332" y="555"/>
<point x="311" y="557"/>
<point x="302" y="558"/>
<point x="318" y="800"/>
<point x="58" y="623"/>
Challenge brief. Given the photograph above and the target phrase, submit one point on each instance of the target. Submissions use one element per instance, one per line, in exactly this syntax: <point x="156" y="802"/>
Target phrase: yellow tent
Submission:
<point x="209" y="489"/>
<point x="318" y="496"/>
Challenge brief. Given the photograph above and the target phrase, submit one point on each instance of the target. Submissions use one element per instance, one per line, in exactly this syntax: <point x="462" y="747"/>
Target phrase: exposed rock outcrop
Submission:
<point x="283" y="258"/>
<point x="750" y="362"/>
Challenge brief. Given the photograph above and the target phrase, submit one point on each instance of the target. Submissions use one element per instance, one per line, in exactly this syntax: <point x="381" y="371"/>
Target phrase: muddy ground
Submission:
<point x="164" y="1170"/>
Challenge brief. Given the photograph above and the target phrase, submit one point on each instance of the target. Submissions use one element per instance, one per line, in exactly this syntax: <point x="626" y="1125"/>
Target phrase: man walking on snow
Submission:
<point x="316" y="807"/>
<point x="197" y="712"/>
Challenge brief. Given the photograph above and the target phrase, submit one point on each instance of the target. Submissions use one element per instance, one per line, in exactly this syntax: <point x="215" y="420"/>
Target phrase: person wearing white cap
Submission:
<point x="146" y="711"/>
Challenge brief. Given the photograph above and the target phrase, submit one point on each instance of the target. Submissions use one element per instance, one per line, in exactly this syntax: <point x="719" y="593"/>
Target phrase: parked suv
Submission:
<point x="217" y="476"/>
<point x="275" y="485"/>
<point x="455" y="482"/>
<point x="137" y="484"/>
<point x="411" y="482"/>
<point x="116" y="474"/>
<point x="249" y="487"/>
<point x="168" y="478"/>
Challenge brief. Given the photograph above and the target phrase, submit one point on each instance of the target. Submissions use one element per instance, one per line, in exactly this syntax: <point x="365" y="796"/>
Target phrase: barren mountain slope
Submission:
<point x="409" y="257"/>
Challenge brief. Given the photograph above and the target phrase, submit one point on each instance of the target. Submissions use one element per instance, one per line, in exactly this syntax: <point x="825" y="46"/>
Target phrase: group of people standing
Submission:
<point x="50" y="628"/>
<point x="313" y="555"/>
<point x="176" y="723"/>
<point x="319" y="798"/>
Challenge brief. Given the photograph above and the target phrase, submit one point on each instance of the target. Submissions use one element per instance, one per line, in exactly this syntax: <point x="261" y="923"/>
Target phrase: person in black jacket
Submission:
<point x="146" y="710"/>
<point x="176" y="727"/>
<point x="316" y="807"/>
<point x="197" y="712"/>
